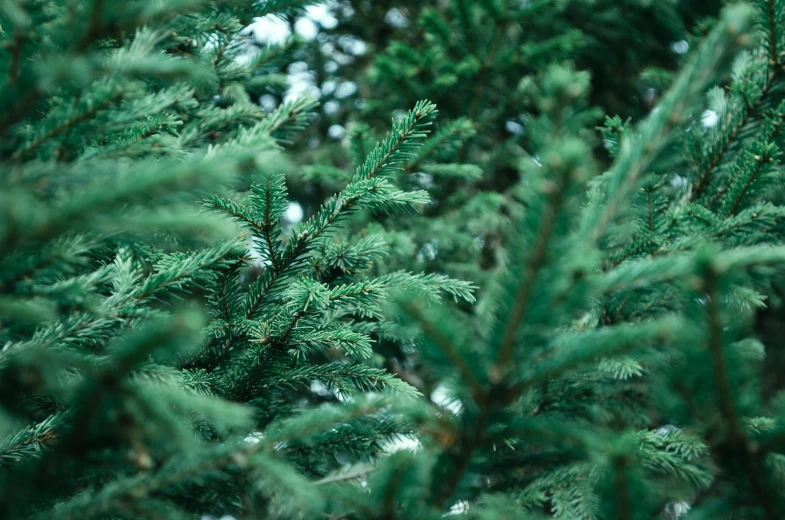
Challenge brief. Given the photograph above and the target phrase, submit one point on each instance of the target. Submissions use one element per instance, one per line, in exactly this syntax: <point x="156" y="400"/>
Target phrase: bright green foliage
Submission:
<point x="615" y="315"/>
<point x="109" y="139"/>
<point x="308" y="316"/>
<point x="609" y="369"/>
<point x="476" y="59"/>
<point x="135" y="407"/>
<point x="480" y="61"/>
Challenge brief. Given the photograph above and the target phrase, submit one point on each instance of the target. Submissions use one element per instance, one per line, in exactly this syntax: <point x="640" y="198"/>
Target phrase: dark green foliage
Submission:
<point x="104" y="385"/>
<point x="478" y="60"/>
<point x="173" y="346"/>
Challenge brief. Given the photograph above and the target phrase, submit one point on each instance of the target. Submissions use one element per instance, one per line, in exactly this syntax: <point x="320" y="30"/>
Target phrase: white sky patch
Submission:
<point x="514" y="127"/>
<point x="297" y="67"/>
<point x="396" y="18"/>
<point x="677" y="181"/>
<point x="328" y="87"/>
<point x="402" y="443"/>
<point x="352" y="45"/>
<point x="319" y="388"/>
<point x="336" y="132"/>
<point x="268" y="102"/>
<point x="345" y="89"/>
<point x="268" y="30"/>
<point x="306" y="28"/>
<point x="322" y="14"/>
<point x="666" y="429"/>
<point x="424" y="179"/>
<point x="709" y="118"/>
<point x="428" y="250"/>
<point x="256" y="258"/>
<point x="680" y="47"/>
<point x="247" y="57"/>
<point x="442" y="397"/>
<point x="301" y="84"/>
<point x="272" y="29"/>
<point x="536" y="160"/>
<point x="458" y="508"/>
<point x="677" y="509"/>
<point x="254" y="438"/>
<point x="316" y="16"/>
<point x="294" y="213"/>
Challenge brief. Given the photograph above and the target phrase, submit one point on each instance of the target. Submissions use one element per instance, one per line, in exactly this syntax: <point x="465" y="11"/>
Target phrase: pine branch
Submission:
<point x="500" y="26"/>
<point x="450" y="136"/>
<point x="774" y="55"/>
<point x="112" y="497"/>
<point x="555" y="197"/>
<point x="447" y="348"/>
<point x="738" y="438"/>
<point x="398" y="146"/>
<point x="355" y="473"/>
<point x="288" y="118"/>
<point x="636" y="157"/>
<point x="236" y="210"/>
<point x="29" y="442"/>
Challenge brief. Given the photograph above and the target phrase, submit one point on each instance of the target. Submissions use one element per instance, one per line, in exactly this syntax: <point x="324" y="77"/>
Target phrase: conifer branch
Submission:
<point x="268" y="225"/>
<point x="281" y="7"/>
<point x="774" y="56"/>
<point x="499" y="29"/>
<point x="112" y="497"/>
<point x="447" y="348"/>
<point x="234" y="209"/>
<point x="62" y="127"/>
<point x="397" y="146"/>
<point x="640" y="152"/>
<point x="539" y="397"/>
<point x="531" y="269"/>
<point x="705" y="175"/>
<point x="462" y="128"/>
<point x="738" y="438"/>
<point x="344" y="476"/>
<point x="30" y="441"/>
<point x="288" y="118"/>
<point x="623" y="499"/>
<point x="759" y="162"/>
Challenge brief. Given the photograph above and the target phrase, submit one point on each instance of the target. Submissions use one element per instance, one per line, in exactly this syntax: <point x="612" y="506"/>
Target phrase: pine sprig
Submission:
<point x="398" y="146"/>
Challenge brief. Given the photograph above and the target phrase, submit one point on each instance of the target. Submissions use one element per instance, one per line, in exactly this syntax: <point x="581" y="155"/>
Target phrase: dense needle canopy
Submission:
<point x="489" y="259"/>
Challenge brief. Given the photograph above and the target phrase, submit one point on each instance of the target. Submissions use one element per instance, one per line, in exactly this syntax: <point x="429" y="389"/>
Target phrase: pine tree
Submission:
<point x="609" y="370"/>
<point x="478" y="61"/>
<point x="613" y="379"/>
<point x="129" y="400"/>
<point x="117" y="119"/>
<point x="475" y="59"/>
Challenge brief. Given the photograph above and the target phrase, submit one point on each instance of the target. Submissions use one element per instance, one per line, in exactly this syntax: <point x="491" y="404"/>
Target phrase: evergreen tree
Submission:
<point x="609" y="370"/>
<point x="589" y="347"/>
<point x="568" y="395"/>
<point x="478" y="61"/>
<point x="110" y="142"/>
<point x="475" y="60"/>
